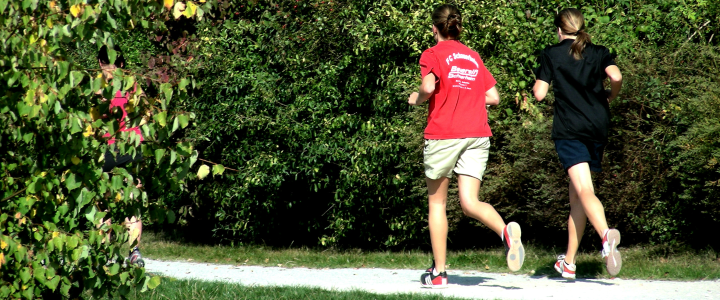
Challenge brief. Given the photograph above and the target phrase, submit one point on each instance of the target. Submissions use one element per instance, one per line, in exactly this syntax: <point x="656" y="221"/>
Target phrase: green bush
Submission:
<point x="54" y="193"/>
<point x="306" y="102"/>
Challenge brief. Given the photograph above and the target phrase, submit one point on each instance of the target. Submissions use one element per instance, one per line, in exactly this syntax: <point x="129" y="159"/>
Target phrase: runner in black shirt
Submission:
<point x="577" y="69"/>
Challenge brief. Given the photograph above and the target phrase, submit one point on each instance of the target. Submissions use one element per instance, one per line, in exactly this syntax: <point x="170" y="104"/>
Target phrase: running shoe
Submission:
<point x="610" y="253"/>
<point x="565" y="269"/>
<point x="135" y="258"/>
<point x="428" y="280"/>
<point x="514" y="250"/>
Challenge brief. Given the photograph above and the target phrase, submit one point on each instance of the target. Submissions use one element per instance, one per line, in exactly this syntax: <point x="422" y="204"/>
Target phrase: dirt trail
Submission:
<point x="465" y="284"/>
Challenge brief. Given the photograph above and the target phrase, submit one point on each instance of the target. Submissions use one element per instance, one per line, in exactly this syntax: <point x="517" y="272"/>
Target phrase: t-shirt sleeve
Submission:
<point x="429" y="64"/>
<point x="487" y="78"/>
<point x="607" y="58"/>
<point x="545" y="71"/>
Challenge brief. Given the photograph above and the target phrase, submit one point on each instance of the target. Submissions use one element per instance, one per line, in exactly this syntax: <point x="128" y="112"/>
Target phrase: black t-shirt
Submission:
<point x="581" y="108"/>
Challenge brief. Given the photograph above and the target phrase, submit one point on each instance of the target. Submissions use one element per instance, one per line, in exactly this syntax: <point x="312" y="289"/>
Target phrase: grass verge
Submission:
<point x="638" y="262"/>
<point x="210" y="290"/>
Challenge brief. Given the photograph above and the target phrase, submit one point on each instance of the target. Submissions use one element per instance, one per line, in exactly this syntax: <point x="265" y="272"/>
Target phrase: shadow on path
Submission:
<point x="467" y="280"/>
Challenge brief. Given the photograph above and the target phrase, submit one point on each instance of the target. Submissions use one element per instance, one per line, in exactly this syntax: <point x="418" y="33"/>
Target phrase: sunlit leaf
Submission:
<point x="218" y="169"/>
<point x="178" y="9"/>
<point x="203" y="171"/>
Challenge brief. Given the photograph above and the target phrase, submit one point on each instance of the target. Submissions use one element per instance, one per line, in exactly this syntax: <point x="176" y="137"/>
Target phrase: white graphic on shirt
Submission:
<point x="455" y="56"/>
<point x="463" y="77"/>
<point x="465" y="74"/>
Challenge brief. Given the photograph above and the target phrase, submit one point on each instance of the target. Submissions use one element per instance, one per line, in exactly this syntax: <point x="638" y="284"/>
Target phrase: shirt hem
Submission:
<point x="455" y="136"/>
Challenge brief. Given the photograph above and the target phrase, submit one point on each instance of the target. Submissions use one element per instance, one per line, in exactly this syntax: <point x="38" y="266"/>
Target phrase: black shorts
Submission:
<point x="120" y="160"/>
<point x="573" y="152"/>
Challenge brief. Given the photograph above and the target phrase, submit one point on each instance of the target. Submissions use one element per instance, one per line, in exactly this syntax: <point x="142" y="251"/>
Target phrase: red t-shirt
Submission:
<point x="457" y="108"/>
<point x="119" y="101"/>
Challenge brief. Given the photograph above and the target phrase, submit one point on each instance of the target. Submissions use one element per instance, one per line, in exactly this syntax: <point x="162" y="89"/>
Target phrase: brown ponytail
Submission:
<point x="571" y="22"/>
<point x="448" y="21"/>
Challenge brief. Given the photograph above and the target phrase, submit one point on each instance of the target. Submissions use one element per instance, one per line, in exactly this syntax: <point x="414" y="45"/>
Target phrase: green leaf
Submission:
<point x="154" y="282"/>
<point x="184" y="120"/>
<point x="71" y="183"/>
<point x="159" y="153"/>
<point x="53" y="283"/>
<point x="39" y="273"/>
<point x="173" y="156"/>
<point x="218" y="169"/>
<point x="37" y="236"/>
<point x="161" y="118"/>
<point x="203" y="171"/>
<point x="114" y="269"/>
<point x="25" y="274"/>
<point x="65" y="287"/>
<point x="72" y="241"/>
<point x="76" y="254"/>
<point x="171" y="216"/>
<point x="112" y="54"/>
<point x="75" y="78"/>
<point x="183" y="83"/>
<point x="75" y="125"/>
<point x="168" y="91"/>
<point x="14" y="77"/>
<point x="58" y="243"/>
<point x="3" y="4"/>
<point x="124" y="276"/>
<point x="129" y="83"/>
<point x="90" y="212"/>
<point x="176" y="124"/>
<point x="5" y="292"/>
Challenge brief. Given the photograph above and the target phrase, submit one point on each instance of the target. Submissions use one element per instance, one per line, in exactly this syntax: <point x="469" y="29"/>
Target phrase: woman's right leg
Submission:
<point x="586" y="207"/>
<point x="469" y="188"/>
<point x="437" y="219"/>
<point x="576" y="225"/>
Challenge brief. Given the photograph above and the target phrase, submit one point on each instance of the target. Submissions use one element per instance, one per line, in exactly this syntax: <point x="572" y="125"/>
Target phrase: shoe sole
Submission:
<point x="613" y="262"/>
<point x="516" y="254"/>
<point x="435" y="286"/>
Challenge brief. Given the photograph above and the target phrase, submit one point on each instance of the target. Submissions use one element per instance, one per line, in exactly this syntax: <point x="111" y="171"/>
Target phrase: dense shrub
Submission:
<point x="306" y="101"/>
<point x="53" y="191"/>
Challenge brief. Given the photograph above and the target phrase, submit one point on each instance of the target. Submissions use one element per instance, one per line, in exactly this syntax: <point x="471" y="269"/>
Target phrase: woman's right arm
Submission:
<point x="427" y="88"/>
<point x="540" y="89"/>
<point x="492" y="97"/>
<point x="613" y="72"/>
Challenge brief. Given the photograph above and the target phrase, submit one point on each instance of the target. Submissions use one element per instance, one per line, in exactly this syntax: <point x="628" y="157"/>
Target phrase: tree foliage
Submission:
<point x="54" y="193"/>
<point x="305" y="101"/>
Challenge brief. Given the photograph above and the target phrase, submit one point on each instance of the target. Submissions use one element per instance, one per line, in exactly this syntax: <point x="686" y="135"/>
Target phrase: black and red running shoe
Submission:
<point x="428" y="280"/>
<point x="135" y="258"/>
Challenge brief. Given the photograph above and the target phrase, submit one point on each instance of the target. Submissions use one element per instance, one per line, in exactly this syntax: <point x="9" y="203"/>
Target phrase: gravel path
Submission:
<point x="465" y="284"/>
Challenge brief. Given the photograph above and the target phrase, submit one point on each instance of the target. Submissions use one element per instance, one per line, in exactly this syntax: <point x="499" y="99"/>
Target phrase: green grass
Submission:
<point x="638" y="262"/>
<point x="194" y="289"/>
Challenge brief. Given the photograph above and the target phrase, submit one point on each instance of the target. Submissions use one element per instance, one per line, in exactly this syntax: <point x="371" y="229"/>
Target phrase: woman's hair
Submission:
<point x="571" y="22"/>
<point x="448" y="21"/>
<point x="104" y="59"/>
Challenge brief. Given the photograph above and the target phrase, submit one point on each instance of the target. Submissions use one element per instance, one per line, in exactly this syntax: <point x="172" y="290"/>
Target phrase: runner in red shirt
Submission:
<point x="457" y="138"/>
<point x="112" y="160"/>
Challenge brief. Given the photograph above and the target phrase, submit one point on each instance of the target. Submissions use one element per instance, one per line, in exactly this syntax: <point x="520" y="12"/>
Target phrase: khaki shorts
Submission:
<point x="464" y="156"/>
